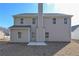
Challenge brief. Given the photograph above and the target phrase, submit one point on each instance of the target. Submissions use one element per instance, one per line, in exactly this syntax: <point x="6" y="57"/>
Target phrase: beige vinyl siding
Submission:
<point x="58" y="31"/>
<point x="25" y="35"/>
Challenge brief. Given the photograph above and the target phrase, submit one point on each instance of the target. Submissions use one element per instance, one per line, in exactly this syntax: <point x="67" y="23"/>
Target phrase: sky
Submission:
<point x="69" y="8"/>
<point x="7" y="10"/>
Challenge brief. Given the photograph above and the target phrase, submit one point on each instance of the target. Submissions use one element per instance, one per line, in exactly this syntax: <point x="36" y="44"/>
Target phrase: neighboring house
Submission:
<point x="39" y="27"/>
<point x="75" y="33"/>
<point x="2" y="34"/>
<point x="73" y="28"/>
<point x="6" y="31"/>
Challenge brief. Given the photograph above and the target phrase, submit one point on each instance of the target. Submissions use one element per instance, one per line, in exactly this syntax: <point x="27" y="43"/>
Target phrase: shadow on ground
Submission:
<point x="9" y="49"/>
<point x="76" y="40"/>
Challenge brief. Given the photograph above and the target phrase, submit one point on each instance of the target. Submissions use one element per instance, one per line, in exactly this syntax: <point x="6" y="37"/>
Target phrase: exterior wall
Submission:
<point x="25" y="35"/>
<point x="27" y="21"/>
<point x="58" y="31"/>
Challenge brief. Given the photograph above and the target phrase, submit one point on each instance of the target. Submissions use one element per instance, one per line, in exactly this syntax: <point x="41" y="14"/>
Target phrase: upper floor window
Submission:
<point x="65" y="20"/>
<point x="33" y="21"/>
<point x="21" y="20"/>
<point x="54" y="20"/>
<point x="19" y="34"/>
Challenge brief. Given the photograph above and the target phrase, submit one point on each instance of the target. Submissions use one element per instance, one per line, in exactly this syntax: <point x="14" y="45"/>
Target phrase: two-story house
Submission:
<point x="41" y="27"/>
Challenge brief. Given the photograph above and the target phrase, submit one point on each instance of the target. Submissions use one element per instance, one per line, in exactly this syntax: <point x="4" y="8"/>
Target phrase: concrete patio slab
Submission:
<point x="36" y="43"/>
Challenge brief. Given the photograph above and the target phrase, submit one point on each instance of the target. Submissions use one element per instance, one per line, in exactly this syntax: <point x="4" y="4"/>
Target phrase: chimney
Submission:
<point x="40" y="14"/>
<point x="40" y="30"/>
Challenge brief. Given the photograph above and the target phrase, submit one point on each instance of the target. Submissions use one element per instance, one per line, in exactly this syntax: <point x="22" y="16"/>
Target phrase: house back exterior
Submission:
<point x="57" y="27"/>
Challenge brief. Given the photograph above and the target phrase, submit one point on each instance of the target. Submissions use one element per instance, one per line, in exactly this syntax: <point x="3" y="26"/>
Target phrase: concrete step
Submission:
<point x="36" y="43"/>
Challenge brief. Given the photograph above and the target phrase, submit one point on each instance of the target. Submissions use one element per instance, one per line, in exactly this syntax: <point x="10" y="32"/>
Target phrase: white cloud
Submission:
<point x="72" y="9"/>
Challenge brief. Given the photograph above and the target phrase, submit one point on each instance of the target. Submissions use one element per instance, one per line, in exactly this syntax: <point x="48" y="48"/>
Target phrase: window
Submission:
<point x="54" y="20"/>
<point x="46" y="34"/>
<point x="65" y="20"/>
<point x="21" y="20"/>
<point x="33" y="21"/>
<point x="33" y="34"/>
<point x="19" y="34"/>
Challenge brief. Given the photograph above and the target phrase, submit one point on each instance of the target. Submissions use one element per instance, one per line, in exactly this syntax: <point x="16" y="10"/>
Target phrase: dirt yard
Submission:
<point x="52" y="49"/>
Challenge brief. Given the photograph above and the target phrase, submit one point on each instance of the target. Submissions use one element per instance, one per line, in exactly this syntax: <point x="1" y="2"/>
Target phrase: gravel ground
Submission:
<point x="52" y="49"/>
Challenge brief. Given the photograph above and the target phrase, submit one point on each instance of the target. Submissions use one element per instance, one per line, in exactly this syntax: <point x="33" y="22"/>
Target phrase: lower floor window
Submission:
<point x="19" y="35"/>
<point x="46" y="34"/>
<point x="33" y="35"/>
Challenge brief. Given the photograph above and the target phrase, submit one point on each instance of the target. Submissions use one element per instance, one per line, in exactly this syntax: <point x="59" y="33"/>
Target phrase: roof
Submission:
<point x="21" y="26"/>
<point x="74" y="27"/>
<point x="44" y="14"/>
